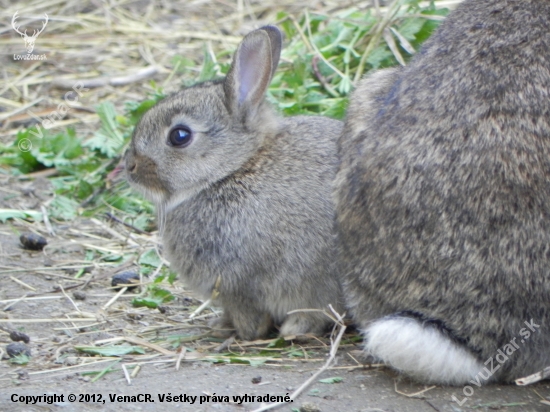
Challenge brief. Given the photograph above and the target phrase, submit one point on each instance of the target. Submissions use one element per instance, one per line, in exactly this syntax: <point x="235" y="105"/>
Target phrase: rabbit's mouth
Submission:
<point x="141" y="173"/>
<point x="155" y="195"/>
<point x="147" y="186"/>
<point x="156" y="189"/>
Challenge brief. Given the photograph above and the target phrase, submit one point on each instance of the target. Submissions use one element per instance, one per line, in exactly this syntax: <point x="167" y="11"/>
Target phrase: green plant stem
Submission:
<point x="386" y="20"/>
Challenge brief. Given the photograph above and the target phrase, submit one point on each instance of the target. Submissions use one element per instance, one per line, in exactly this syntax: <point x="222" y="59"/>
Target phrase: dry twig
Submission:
<point x="333" y="350"/>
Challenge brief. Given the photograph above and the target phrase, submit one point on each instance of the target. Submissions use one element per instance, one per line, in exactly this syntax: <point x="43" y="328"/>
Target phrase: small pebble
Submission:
<point x="47" y="262"/>
<point x="309" y="407"/>
<point x="257" y="379"/>
<point x="33" y="241"/>
<point x="17" y="336"/>
<point x="23" y="375"/>
<point x="16" y="349"/>
<point x="71" y="361"/>
<point x="125" y="278"/>
<point x="79" y="295"/>
<point x="165" y="310"/>
<point x="134" y="315"/>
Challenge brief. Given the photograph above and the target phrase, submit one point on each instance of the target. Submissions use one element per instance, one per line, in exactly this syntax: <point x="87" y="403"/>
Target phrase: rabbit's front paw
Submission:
<point x="252" y="325"/>
<point x="222" y="327"/>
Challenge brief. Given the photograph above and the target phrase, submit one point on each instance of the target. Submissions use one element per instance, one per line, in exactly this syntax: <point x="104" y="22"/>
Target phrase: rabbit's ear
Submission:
<point x="252" y="68"/>
<point x="276" y="40"/>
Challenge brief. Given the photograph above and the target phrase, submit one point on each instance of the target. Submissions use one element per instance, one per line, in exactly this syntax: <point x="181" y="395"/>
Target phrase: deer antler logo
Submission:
<point x="29" y="40"/>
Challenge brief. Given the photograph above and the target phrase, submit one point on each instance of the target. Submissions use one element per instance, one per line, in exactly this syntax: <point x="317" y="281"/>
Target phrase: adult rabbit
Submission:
<point x="443" y="200"/>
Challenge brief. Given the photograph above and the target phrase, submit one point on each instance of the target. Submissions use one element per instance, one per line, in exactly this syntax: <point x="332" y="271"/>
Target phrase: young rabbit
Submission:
<point x="444" y="200"/>
<point x="243" y="196"/>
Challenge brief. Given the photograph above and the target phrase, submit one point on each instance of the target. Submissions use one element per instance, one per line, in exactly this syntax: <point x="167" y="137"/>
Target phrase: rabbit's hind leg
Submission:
<point x="421" y="350"/>
<point x="301" y="323"/>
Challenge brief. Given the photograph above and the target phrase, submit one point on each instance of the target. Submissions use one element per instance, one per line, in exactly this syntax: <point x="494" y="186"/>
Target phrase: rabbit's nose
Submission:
<point x="130" y="157"/>
<point x="131" y="165"/>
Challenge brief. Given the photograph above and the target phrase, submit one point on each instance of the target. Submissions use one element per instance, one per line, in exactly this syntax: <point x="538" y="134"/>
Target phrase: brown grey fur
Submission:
<point x="444" y="187"/>
<point x="249" y="200"/>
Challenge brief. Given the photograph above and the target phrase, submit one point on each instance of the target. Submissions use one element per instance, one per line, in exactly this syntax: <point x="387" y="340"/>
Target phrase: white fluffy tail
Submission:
<point x="421" y="351"/>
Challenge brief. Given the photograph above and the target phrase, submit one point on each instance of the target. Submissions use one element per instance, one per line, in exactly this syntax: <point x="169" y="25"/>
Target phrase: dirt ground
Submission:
<point x="60" y="301"/>
<point x="56" y="368"/>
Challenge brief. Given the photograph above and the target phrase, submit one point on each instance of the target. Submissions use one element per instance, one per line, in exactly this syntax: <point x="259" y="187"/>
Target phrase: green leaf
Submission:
<point x="182" y="63"/>
<point x="150" y="258"/>
<point x="378" y="56"/>
<point x="20" y="359"/>
<point x="241" y="360"/>
<point x="108" y="369"/>
<point x="210" y="67"/>
<point x="278" y="343"/>
<point x="63" y="208"/>
<point x="60" y="149"/>
<point x="411" y="27"/>
<point x="295" y="354"/>
<point x="83" y="189"/>
<point x="136" y="110"/>
<point x="111" y="257"/>
<point x="337" y="108"/>
<point x="113" y="350"/>
<point x="155" y="297"/>
<point x="107" y="114"/>
<point x="109" y="139"/>
<point x="172" y="277"/>
<point x="256" y="362"/>
<point x="28" y="160"/>
<point x="286" y="25"/>
<point x="6" y="214"/>
<point x="335" y="379"/>
<point x="146" y="302"/>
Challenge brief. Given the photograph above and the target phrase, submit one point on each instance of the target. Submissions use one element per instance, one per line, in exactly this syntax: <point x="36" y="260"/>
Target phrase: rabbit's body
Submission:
<point x="246" y="207"/>
<point x="265" y="229"/>
<point x="444" y="200"/>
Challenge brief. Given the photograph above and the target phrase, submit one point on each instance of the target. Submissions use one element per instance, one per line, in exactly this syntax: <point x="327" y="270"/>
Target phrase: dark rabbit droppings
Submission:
<point x="32" y="241"/>
<point x="16" y="349"/>
<point x="128" y="277"/>
<point x="17" y="336"/>
<point x="79" y="295"/>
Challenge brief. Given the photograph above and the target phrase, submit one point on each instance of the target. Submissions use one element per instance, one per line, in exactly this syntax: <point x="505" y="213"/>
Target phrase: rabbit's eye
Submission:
<point x="180" y="136"/>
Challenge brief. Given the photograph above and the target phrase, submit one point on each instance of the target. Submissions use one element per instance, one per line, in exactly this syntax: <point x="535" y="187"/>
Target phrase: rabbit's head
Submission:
<point x="200" y="135"/>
